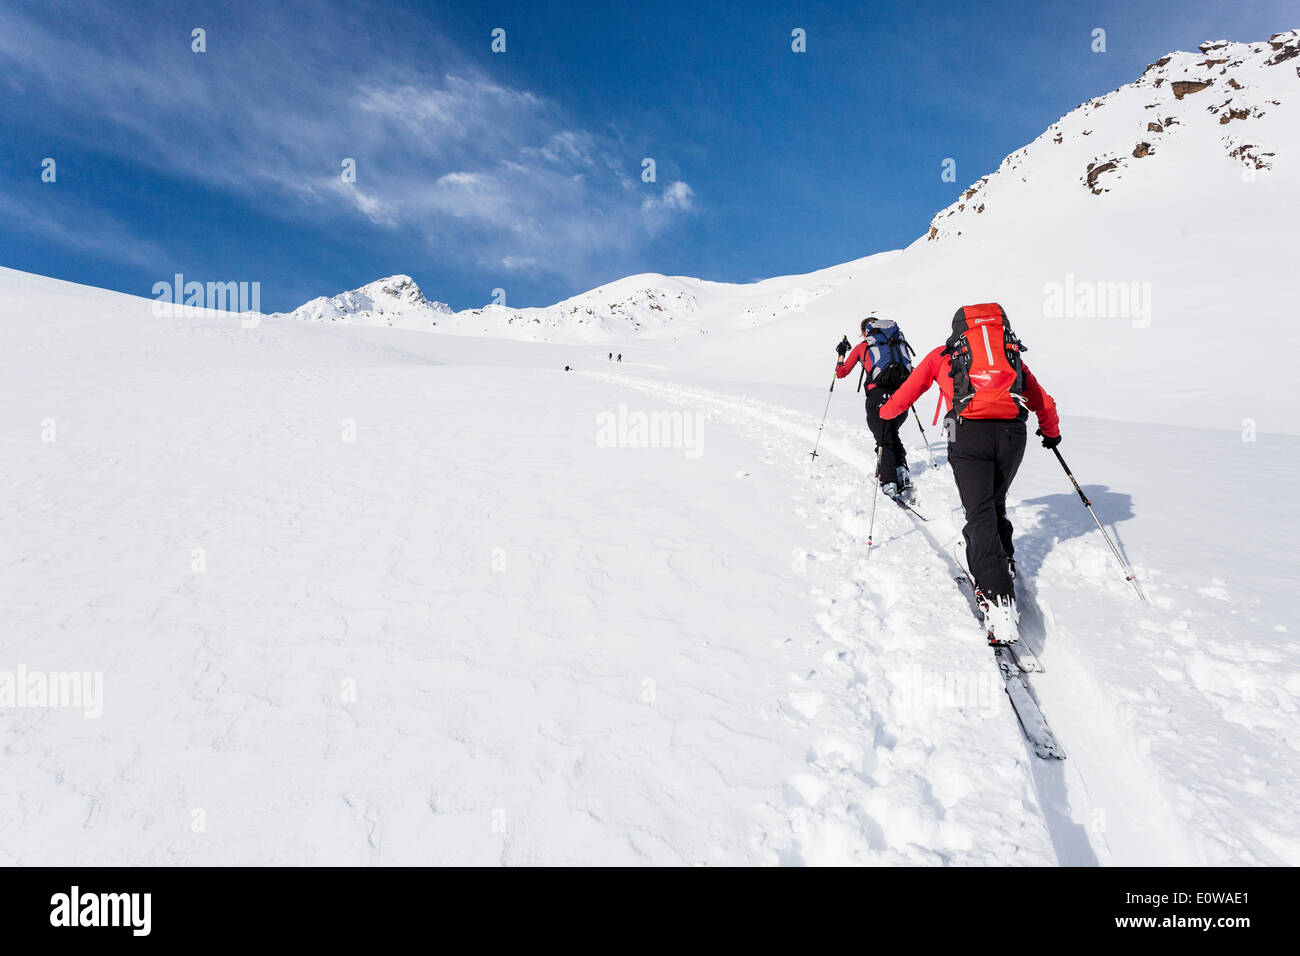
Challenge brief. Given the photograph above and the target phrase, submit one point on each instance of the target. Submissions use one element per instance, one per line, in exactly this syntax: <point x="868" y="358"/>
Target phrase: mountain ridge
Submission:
<point x="1216" y="112"/>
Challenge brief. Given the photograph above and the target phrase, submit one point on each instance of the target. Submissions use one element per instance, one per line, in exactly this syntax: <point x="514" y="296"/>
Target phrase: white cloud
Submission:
<point x="484" y="173"/>
<point x="676" y="195"/>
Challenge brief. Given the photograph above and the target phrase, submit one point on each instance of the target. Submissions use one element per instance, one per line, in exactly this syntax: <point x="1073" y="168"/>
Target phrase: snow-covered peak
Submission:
<point x="401" y="288"/>
<point x="1194" y="123"/>
<point x="394" y="301"/>
<point x="645" y="305"/>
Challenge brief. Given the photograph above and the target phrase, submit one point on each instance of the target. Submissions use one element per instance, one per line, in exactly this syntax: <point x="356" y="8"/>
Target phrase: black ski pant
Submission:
<point x="985" y="457"/>
<point x="885" y="431"/>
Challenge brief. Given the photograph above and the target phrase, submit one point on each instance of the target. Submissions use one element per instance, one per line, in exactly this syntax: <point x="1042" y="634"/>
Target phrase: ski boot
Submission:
<point x="890" y="489"/>
<point x="1001" y="619"/>
<point x="906" y="490"/>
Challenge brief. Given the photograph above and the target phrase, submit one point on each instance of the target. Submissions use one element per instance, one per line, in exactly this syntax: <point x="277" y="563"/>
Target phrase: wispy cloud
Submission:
<point x="82" y="230"/>
<point x="676" y="195"/>
<point x="484" y="173"/>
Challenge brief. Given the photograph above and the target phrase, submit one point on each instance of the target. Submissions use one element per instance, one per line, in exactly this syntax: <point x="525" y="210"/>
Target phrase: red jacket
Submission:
<point x="938" y="367"/>
<point x="859" y="354"/>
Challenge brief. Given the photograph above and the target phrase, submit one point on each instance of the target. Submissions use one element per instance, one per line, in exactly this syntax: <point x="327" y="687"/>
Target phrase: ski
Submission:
<point x="1032" y="722"/>
<point x="1013" y="670"/>
<point x="1026" y="659"/>
<point x="906" y="507"/>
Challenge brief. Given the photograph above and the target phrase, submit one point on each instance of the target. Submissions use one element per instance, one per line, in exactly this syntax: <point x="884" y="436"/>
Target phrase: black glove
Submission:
<point x="843" y="347"/>
<point x="1048" y="442"/>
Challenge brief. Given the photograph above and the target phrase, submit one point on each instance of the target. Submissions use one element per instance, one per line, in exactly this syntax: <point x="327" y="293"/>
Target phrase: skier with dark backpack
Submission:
<point x="989" y="392"/>
<point x="886" y="361"/>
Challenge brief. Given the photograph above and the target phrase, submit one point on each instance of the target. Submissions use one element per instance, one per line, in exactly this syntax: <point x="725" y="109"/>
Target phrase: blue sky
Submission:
<point x="522" y="170"/>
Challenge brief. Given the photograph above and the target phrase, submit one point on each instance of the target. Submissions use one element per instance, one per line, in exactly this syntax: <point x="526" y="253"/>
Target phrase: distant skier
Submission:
<point x="886" y="362"/>
<point x="620" y="356"/>
<point x="611" y="356"/>
<point x="989" y="392"/>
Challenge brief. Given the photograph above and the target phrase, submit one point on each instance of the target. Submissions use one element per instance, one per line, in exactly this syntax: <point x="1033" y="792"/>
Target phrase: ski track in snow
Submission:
<point x="897" y="615"/>
<point x="895" y="774"/>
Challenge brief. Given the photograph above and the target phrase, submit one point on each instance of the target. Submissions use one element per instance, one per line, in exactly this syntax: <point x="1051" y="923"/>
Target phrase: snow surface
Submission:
<point x="568" y="651"/>
<point x="444" y="612"/>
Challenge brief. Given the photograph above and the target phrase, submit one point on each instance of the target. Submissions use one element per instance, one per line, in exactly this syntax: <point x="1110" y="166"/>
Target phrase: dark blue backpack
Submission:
<point x="889" y="353"/>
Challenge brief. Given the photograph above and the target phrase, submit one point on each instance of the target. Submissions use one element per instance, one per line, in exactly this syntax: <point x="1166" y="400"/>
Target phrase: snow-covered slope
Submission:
<point x="1165" y="298"/>
<point x="1195" y="128"/>
<point x="366" y="595"/>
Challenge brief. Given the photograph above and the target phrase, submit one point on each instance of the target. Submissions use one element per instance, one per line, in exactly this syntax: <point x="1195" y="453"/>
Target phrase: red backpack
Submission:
<point x="987" y="379"/>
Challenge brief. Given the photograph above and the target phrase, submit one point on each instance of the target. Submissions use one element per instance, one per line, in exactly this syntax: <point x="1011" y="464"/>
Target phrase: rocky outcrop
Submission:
<point x="1096" y="171"/>
<point x="1286" y="45"/>
<point x="1280" y="41"/>
<point x="1182" y="88"/>
<point x="1250" y="155"/>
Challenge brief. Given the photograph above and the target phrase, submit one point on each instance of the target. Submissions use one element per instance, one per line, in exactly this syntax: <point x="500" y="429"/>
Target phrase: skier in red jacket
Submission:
<point x="885" y="358"/>
<point x="989" y="395"/>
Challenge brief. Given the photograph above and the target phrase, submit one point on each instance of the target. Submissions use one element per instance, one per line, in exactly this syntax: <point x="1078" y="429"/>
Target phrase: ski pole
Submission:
<point x="824" y="414"/>
<point x="871" y="529"/>
<point x="840" y="350"/>
<point x="1129" y="576"/>
<point x="933" y="463"/>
